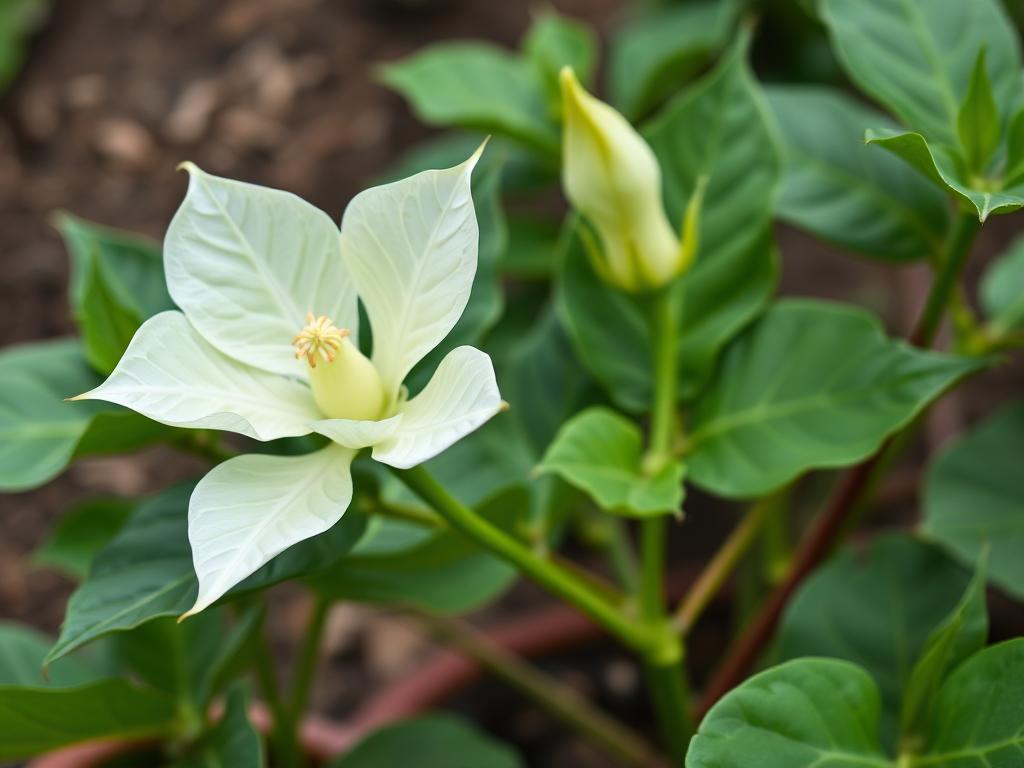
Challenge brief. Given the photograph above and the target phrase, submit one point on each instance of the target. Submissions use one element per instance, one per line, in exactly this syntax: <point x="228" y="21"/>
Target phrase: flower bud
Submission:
<point x="611" y="176"/>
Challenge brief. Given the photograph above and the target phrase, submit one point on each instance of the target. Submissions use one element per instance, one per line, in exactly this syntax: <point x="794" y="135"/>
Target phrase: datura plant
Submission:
<point x="673" y="426"/>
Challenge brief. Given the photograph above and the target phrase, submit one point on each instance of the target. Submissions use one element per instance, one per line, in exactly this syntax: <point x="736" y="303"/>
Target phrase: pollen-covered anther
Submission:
<point x="320" y="339"/>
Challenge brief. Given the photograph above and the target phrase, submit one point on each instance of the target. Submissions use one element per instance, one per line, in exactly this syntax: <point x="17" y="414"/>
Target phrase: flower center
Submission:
<point x="345" y="383"/>
<point x="321" y="338"/>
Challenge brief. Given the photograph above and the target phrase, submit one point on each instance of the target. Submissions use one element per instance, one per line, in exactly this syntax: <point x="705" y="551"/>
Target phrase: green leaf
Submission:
<point x="532" y="246"/>
<point x="974" y="497"/>
<point x="875" y="607"/>
<point x="35" y="720"/>
<point x="554" y="41"/>
<point x="437" y="741"/>
<point x="107" y="325"/>
<point x="145" y="572"/>
<point x="436" y="569"/>
<point x="961" y="635"/>
<point x="1002" y="289"/>
<point x="655" y="52"/>
<point x="601" y="452"/>
<point x="22" y="651"/>
<point x="81" y="533"/>
<point x="978" y="122"/>
<point x="479" y="86"/>
<point x="231" y="743"/>
<point x="18" y="19"/>
<point x="845" y="192"/>
<point x="39" y="432"/>
<point x="719" y="129"/>
<point x="917" y="56"/>
<point x="131" y="266"/>
<point x="978" y="716"/>
<point x="808" y="713"/>
<point x="811" y="385"/>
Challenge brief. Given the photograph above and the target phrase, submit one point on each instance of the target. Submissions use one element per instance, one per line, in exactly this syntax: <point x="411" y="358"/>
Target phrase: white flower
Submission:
<point x="266" y="345"/>
<point x="611" y="176"/>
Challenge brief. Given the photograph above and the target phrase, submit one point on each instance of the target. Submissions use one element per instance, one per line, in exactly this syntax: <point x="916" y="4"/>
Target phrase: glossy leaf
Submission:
<point x="718" y="129"/>
<point x="655" y="52"/>
<point x="916" y="57"/>
<point x="35" y="720"/>
<point x="474" y="85"/>
<point x="554" y="41"/>
<point x="941" y="165"/>
<point x="107" y="326"/>
<point x="433" y="568"/>
<point x="601" y="453"/>
<point x="146" y="571"/>
<point x="963" y="633"/>
<point x="39" y="432"/>
<point x="81" y="533"/>
<point x="22" y="651"/>
<point x="978" y="122"/>
<point x="437" y="741"/>
<point x="811" y="385"/>
<point x="848" y="193"/>
<point x="232" y="743"/>
<point x="876" y="607"/>
<point x="1002" y="288"/>
<point x="974" y="498"/>
<point x="808" y="713"/>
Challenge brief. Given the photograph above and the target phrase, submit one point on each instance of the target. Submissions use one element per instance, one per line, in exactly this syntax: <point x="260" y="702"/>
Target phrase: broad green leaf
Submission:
<point x="718" y="130"/>
<point x="811" y="385"/>
<point x="655" y="52"/>
<point x="433" y="568"/>
<point x="974" y="497"/>
<point x="941" y="165"/>
<point x="601" y="453"/>
<point x="917" y="56"/>
<point x="437" y="741"/>
<point x="475" y="85"/>
<point x="1002" y="289"/>
<point x="232" y="743"/>
<point x="22" y="651"/>
<point x="131" y="266"/>
<point x="146" y="571"/>
<point x="81" y="533"/>
<point x="876" y="607"/>
<point x="978" y="716"/>
<point x="39" y="432"/>
<point x="117" y="281"/>
<point x="808" y="713"/>
<point x="35" y="720"/>
<point x="848" y="193"/>
<point x="555" y="41"/>
<point x="963" y="633"/>
<point x="978" y="122"/>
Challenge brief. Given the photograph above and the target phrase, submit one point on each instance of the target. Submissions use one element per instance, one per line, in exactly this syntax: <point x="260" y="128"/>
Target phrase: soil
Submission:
<point x="115" y="93"/>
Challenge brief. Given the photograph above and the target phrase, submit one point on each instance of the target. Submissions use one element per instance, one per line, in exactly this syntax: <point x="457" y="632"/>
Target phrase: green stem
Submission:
<point x="637" y="635"/>
<point x="665" y="674"/>
<point x="309" y="657"/>
<point x="958" y="246"/>
<point x="557" y="699"/>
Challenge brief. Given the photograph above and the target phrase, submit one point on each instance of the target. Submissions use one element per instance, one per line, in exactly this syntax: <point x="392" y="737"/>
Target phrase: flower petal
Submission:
<point x="170" y="374"/>
<point x="356" y="434"/>
<point x="249" y="509"/>
<point x="460" y="397"/>
<point x="411" y="247"/>
<point x="247" y="263"/>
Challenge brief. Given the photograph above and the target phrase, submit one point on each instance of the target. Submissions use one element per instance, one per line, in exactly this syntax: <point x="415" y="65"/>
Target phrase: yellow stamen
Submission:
<point x="321" y="338"/>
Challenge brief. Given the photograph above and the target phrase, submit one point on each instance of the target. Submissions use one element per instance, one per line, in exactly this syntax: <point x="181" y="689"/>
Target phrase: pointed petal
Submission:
<point x="460" y="397"/>
<point x="170" y="374"/>
<point x="249" y="509"/>
<point x="411" y="247"/>
<point x="354" y="434"/>
<point x="247" y="263"/>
